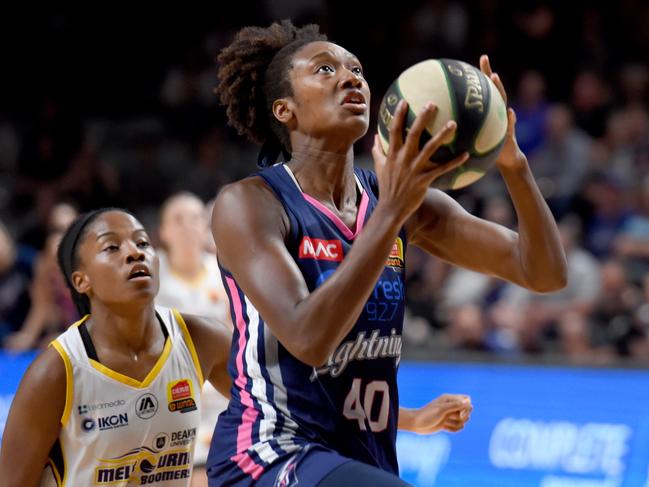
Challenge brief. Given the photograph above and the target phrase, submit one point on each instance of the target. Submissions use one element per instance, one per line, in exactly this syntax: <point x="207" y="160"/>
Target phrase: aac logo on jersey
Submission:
<point x="146" y="406"/>
<point x="180" y="396"/>
<point x="319" y="249"/>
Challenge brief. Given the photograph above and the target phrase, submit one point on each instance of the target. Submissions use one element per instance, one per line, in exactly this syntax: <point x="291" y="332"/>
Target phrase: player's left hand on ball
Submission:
<point x="448" y="412"/>
<point x="511" y="155"/>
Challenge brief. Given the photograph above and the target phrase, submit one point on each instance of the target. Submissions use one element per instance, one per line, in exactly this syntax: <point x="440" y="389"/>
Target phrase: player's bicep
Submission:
<point x="34" y="421"/>
<point x="444" y="229"/>
<point x="249" y="232"/>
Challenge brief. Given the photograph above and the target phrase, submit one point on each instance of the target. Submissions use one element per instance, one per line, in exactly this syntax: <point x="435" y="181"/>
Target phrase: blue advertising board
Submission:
<point x="531" y="425"/>
<point x="12" y="368"/>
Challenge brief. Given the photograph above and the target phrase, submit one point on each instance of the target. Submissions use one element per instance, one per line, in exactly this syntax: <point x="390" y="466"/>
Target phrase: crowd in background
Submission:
<point x="116" y="110"/>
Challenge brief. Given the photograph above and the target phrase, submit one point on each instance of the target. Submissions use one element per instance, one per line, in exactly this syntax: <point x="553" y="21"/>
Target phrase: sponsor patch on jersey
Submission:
<point x="111" y="422"/>
<point x="396" y="259"/>
<point x="160" y="441"/>
<point x="142" y="466"/>
<point x="88" y="424"/>
<point x="183" y="437"/>
<point x="180" y="396"/>
<point x="319" y="249"/>
<point x="83" y="409"/>
<point x="146" y="406"/>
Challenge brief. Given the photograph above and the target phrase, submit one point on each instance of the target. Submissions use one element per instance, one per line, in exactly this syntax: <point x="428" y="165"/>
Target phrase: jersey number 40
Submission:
<point x="360" y="407"/>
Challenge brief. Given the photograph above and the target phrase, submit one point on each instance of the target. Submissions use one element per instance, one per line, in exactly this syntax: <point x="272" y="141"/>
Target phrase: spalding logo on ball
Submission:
<point x="462" y="93"/>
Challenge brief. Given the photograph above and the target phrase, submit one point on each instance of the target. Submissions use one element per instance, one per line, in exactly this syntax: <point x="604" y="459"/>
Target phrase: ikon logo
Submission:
<point x="319" y="249"/>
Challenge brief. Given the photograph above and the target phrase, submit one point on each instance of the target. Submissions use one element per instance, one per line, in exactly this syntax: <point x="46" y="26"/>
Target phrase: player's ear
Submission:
<point x="283" y="110"/>
<point x="81" y="282"/>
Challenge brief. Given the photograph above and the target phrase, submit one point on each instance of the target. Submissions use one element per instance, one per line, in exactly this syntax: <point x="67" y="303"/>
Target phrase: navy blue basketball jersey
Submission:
<point x="279" y="404"/>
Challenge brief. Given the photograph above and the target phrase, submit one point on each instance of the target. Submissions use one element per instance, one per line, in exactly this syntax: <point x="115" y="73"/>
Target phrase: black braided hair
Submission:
<point x="253" y="73"/>
<point x="68" y="257"/>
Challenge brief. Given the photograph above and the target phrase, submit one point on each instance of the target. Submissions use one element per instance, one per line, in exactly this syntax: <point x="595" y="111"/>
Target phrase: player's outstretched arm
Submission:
<point x="34" y="421"/>
<point x="448" y="412"/>
<point x="212" y="340"/>
<point x="250" y="227"/>
<point x="532" y="258"/>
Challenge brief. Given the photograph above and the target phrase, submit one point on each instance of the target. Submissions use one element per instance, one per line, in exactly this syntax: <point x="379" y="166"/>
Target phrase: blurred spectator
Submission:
<point x="438" y="27"/>
<point x="52" y="309"/>
<point x="591" y="102"/>
<point x="206" y="177"/>
<point x="45" y="163"/>
<point x="632" y="241"/>
<point x="531" y="317"/>
<point x="640" y="347"/>
<point x="189" y="276"/>
<point x="467" y="296"/>
<point x="561" y="163"/>
<point x="634" y="85"/>
<point x="614" y="332"/>
<point x="610" y="211"/>
<point x="190" y="281"/>
<point x="16" y="269"/>
<point x="531" y="112"/>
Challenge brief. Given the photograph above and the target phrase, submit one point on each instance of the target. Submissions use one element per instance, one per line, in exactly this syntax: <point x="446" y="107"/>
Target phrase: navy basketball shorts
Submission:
<point x="316" y="466"/>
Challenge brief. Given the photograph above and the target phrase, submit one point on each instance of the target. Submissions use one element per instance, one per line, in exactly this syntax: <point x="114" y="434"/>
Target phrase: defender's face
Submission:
<point x="118" y="264"/>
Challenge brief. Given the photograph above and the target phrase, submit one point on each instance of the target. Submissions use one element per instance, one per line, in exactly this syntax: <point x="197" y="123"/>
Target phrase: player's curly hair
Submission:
<point x="253" y="73"/>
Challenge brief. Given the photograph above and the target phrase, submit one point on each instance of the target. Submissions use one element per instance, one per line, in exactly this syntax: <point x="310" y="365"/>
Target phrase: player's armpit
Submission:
<point x="212" y="340"/>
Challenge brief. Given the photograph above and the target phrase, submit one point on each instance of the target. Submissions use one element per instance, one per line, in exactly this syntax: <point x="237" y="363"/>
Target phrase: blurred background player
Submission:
<point x="190" y="281"/>
<point x="51" y="310"/>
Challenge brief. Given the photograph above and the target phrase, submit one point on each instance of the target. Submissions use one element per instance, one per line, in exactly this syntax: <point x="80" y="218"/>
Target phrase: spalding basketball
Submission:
<point x="462" y="93"/>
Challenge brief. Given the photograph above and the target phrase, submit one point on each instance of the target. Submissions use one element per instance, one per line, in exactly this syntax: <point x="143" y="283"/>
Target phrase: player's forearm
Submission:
<point x="406" y="419"/>
<point x="542" y="257"/>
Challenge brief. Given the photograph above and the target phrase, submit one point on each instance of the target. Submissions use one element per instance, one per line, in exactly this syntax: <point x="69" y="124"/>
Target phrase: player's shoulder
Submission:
<point x="248" y="204"/>
<point x="252" y="190"/>
<point x="49" y="370"/>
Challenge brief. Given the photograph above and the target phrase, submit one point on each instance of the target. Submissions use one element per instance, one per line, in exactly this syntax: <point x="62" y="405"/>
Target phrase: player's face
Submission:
<point x="117" y="263"/>
<point x="183" y="224"/>
<point x="330" y="94"/>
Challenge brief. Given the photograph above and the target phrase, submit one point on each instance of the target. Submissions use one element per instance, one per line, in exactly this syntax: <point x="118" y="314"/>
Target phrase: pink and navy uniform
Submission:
<point x="281" y="408"/>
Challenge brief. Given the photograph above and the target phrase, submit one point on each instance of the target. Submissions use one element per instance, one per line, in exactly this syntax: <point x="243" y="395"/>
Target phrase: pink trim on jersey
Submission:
<point x="248" y="465"/>
<point x="244" y="432"/>
<point x="335" y="219"/>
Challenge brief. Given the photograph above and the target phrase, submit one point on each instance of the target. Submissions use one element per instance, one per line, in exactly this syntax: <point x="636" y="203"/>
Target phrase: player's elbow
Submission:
<point x="549" y="282"/>
<point x="311" y="354"/>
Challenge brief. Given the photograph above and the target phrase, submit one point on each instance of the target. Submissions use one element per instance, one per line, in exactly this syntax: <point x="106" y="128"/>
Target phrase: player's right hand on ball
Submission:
<point x="406" y="172"/>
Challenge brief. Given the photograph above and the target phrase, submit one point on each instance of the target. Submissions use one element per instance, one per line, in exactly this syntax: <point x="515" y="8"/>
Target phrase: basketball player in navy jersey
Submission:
<point x="312" y="256"/>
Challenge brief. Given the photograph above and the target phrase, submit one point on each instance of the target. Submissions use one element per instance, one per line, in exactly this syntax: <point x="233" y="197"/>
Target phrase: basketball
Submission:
<point x="462" y="93"/>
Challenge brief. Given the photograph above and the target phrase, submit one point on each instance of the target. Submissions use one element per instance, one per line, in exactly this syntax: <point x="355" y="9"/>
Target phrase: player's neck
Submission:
<point x="131" y="326"/>
<point x="324" y="175"/>
<point x="188" y="263"/>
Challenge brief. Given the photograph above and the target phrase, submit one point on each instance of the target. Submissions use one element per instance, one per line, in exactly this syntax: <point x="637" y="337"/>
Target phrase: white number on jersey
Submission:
<point x="361" y="411"/>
